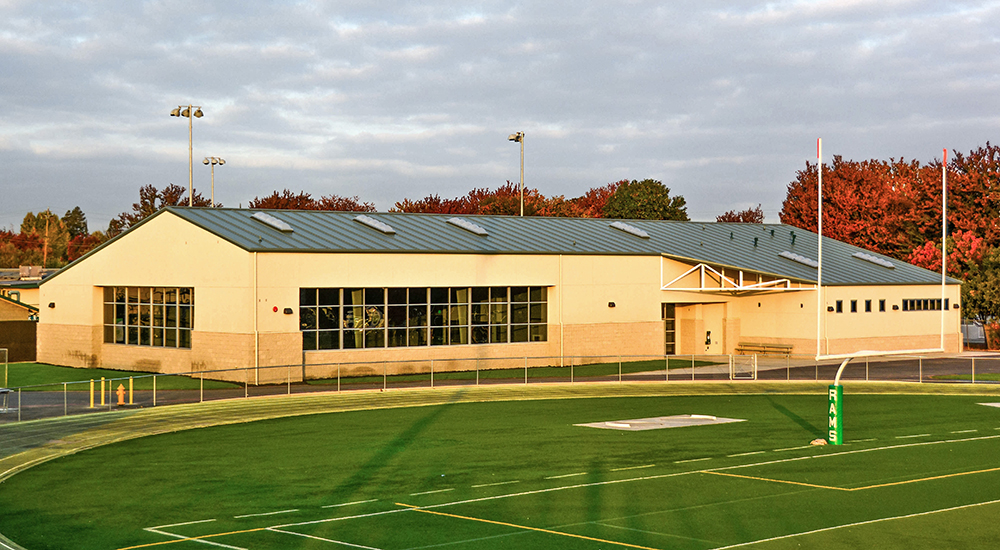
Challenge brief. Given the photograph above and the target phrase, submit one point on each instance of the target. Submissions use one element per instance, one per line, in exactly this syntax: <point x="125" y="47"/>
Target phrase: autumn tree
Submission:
<point x="750" y="215"/>
<point x="151" y="200"/>
<point x="646" y="200"/>
<point x="287" y="200"/>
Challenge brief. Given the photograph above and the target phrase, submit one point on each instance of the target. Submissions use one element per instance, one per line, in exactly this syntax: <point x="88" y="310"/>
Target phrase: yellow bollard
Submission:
<point x="102" y="391"/>
<point x="130" y="391"/>
<point x="91" y="393"/>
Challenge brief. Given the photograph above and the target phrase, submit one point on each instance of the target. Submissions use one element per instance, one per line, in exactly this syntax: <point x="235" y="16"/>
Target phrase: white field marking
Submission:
<point x="4" y="545"/>
<point x="623" y="528"/>
<point x="632" y="468"/>
<point x="868" y="522"/>
<point x="567" y="475"/>
<point x="856" y="451"/>
<point x="912" y="436"/>
<point x="349" y="503"/>
<point x="314" y="537"/>
<point x="180" y="524"/>
<point x="793" y="448"/>
<point x="692" y="460"/>
<point x="497" y="483"/>
<point x="432" y="492"/>
<point x="193" y="539"/>
<point x="633" y="479"/>
<point x="965" y="431"/>
<point x="747" y="454"/>
<point x="865" y="440"/>
<point x="266" y="514"/>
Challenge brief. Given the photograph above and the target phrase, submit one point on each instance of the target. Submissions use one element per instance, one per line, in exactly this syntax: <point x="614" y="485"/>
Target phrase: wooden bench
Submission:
<point x="765" y="349"/>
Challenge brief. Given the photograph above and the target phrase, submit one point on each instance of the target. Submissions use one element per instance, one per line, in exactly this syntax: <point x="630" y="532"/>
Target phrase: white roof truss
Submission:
<point x="728" y="281"/>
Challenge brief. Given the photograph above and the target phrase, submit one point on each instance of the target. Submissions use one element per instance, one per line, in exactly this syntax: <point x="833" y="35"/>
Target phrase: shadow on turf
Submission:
<point x="802" y="422"/>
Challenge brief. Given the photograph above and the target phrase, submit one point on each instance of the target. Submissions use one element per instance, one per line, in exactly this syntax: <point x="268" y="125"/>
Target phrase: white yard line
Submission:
<point x="314" y="537"/>
<point x="632" y="468"/>
<point x="266" y="514"/>
<point x="692" y="460"/>
<point x="567" y="475"/>
<point x="869" y="522"/>
<point x="793" y="448"/>
<point x="965" y="431"/>
<point x="350" y="503"/>
<point x="192" y="539"/>
<point x="912" y="436"/>
<point x="432" y="492"/>
<point x="747" y="454"/>
<point x="497" y="483"/>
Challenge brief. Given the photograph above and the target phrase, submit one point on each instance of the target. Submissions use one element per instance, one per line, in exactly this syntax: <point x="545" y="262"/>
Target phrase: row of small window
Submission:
<point x="149" y="316"/>
<point x="928" y="304"/>
<point x="353" y="318"/>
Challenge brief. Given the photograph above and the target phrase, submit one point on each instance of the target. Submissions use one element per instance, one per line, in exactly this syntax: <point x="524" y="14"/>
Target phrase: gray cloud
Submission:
<point x="722" y="101"/>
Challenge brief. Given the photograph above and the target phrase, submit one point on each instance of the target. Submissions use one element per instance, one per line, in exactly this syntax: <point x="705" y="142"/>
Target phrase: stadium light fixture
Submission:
<point x="191" y="112"/>
<point x="212" y="161"/>
<point x="519" y="138"/>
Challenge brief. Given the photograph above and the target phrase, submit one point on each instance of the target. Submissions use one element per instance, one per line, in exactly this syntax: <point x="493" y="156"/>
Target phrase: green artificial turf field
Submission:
<point x="919" y="471"/>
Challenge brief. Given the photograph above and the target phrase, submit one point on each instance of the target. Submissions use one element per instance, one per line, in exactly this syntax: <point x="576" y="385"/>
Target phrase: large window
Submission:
<point x="148" y="316"/>
<point x="926" y="304"/>
<point x="354" y="318"/>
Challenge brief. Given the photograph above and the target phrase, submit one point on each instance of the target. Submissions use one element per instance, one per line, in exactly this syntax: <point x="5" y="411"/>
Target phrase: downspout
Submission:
<point x="256" y="334"/>
<point x="562" y="299"/>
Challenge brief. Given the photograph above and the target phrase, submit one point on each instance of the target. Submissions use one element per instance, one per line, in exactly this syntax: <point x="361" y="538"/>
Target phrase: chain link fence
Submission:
<point x="29" y="402"/>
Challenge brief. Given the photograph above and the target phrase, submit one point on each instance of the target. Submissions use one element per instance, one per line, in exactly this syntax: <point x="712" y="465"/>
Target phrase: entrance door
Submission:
<point x="668" y="312"/>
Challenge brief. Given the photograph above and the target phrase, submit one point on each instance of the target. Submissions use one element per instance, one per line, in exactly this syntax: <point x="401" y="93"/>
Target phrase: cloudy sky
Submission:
<point x="720" y="100"/>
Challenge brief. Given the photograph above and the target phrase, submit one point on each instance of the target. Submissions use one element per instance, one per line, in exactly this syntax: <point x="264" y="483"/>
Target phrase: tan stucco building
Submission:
<point x="208" y="289"/>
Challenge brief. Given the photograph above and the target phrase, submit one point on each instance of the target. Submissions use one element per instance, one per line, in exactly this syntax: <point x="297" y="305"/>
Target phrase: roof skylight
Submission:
<point x="468" y="226"/>
<point x="270" y="220"/>
<point x="874" y="259"/>
<point x="801" y="259"/>
<point x="375" y="224"/>
<point x="630" y="229"/>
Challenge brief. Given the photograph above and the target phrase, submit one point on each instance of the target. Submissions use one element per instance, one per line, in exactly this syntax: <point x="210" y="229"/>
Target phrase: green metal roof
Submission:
<point x="751" y="247"/>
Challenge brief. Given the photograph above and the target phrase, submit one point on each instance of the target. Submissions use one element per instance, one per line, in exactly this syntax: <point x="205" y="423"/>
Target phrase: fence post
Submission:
<point x="432" y="370"/>
<point x="18" y="404"/>
<point x="973" y="370"/>
<point x="571" y="372"/>
<point x="619" y="369"/>
<point x="201" y="391"/>
<point x="692" y="367"/>
<point x="289" y="380"/>
<point x="154" y="390"/>
<point x="666" y="368"/>
<point x="65" y="404"/>
<point x="477" y="372"/>
<point x="866" y="369"/>
<point x="920" y="361"/>
<point x="384" y="376"/>
<point x="525" y="369"/>
<point x="788" y="369"/>
<point x="338" y="377"/>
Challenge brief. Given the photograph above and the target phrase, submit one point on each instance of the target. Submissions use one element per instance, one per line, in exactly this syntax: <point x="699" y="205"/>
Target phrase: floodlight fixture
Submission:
<point x="213" y="161"/>
<point x="519" y="138"/>
<point x="186" y="111"/>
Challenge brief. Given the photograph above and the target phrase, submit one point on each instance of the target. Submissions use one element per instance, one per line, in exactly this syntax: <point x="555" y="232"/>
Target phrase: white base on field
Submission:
<point x="660" y="422"/>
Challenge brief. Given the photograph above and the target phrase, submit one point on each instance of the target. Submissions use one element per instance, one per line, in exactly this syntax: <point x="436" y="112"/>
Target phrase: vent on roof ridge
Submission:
<point x="874" y="259"/>
<point x="621" y="226"/>
<point x="801" y="259"/>
<point x="468" y="226"/>
<point x="375" y="224"/>
<point x="270" y="220"/>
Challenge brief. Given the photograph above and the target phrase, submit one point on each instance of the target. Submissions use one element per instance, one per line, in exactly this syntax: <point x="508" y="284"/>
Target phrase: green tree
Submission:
<point x="53" y="234"/>
<point x="76" y="223"/>
<point x="645" y="200"/>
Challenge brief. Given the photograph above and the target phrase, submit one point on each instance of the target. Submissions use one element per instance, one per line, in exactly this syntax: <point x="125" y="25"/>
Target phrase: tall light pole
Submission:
<point x="213" y="161"/>
<point x="188" y="112"/>
<point x="519" y="137"/>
